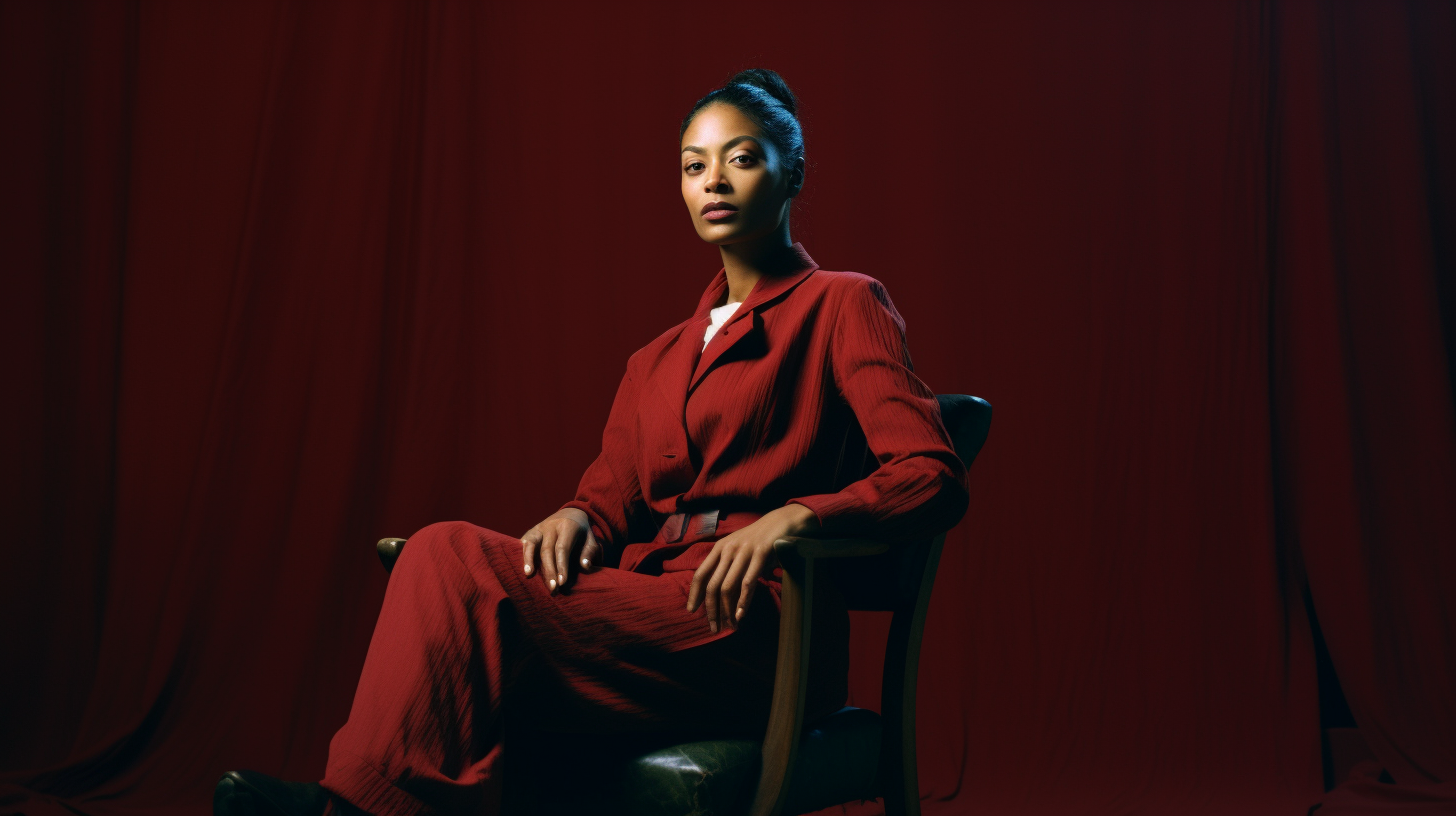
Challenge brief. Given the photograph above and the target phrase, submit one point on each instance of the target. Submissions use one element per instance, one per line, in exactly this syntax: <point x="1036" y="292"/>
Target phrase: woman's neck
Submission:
<point x="747" y="261"/>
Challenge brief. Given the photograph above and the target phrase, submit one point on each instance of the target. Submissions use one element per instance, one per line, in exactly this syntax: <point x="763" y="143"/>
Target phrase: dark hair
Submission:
<point x="764" y="97"/>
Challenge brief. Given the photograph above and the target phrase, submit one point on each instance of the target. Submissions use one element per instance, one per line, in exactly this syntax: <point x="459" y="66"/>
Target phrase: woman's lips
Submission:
<point x="718" y="210"/>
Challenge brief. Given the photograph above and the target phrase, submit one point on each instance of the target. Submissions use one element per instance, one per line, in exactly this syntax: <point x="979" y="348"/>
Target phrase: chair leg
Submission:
<point x="786" y="717"/>
<point x="898" y="774"/>
<point x="898" y="770"/>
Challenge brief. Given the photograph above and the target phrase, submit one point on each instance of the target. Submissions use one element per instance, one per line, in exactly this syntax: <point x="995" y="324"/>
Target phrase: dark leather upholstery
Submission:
<point x="838" y="762"/>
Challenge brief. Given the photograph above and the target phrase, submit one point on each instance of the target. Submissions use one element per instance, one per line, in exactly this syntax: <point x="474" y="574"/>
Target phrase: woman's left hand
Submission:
<point x="728" y="576"/>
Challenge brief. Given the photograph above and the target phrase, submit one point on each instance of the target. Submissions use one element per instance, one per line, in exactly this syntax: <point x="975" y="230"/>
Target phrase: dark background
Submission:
<point x="280" y="279"/>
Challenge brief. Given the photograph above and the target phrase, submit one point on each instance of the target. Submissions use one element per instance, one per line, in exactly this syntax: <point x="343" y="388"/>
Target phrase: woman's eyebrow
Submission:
<point x="733" y="141"/>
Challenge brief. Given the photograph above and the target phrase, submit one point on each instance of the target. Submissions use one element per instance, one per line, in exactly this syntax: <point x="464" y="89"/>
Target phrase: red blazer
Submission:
<point x="811" y="360"/>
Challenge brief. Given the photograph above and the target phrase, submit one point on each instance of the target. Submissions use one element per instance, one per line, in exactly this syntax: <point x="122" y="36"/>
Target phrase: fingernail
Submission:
<point x="712" y="627"/>
<point x="528" y="569"/>
<point x="585" y="563"/>
<point x="560" y="578"/>
<point x="551" y="583"/>
<point x="739" y="614"/>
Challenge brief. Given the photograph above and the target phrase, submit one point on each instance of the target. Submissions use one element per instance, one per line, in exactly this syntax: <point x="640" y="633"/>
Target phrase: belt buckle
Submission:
<point x="707" y="522"/>
<point x="675" y="528"/>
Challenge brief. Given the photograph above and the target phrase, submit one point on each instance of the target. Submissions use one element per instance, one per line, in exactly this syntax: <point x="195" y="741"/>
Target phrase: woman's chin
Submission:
<point x="724" y="235"/>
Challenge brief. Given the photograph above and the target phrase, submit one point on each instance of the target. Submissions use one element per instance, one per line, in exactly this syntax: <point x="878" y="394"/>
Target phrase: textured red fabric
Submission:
<point x="760" y="416"/>
<point x="464" y="634"/>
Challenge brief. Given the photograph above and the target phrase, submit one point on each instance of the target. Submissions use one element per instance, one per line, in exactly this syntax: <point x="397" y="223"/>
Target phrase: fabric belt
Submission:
<point x="703" y="524"/>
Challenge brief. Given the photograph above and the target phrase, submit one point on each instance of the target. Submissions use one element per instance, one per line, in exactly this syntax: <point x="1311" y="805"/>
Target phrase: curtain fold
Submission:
<point x="1364" y="385"/>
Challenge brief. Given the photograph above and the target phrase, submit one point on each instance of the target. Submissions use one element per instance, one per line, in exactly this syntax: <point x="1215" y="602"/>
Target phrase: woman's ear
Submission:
<point x="796" y="177"/>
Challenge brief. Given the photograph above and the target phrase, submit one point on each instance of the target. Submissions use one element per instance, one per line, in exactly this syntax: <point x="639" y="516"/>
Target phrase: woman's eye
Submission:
<point x="694" y="166"/>
<point x="747" y="158"/>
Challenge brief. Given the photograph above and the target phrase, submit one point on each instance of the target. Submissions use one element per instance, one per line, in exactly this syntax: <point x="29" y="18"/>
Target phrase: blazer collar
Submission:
<point x="687" y="363"/>
<point x="767" y="288"/>
<point x="744" y="322"/>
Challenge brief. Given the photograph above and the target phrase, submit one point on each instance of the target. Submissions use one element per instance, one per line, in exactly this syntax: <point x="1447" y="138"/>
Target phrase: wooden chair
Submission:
<point x="850" y="755"/>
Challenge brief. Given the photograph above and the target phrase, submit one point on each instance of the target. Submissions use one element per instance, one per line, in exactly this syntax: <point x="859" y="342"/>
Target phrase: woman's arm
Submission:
<point x="920" y="487"/>
<point x="729" y="575"/>
<point x="610" y="493"/>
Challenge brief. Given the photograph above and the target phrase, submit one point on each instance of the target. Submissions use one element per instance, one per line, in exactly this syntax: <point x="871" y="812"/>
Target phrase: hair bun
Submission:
<point x="764" y="97"/>
<point x="770" y="82"/>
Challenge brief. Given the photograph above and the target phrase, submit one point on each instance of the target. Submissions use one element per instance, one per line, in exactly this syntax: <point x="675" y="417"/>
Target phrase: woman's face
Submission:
<point x="733" y="180"/>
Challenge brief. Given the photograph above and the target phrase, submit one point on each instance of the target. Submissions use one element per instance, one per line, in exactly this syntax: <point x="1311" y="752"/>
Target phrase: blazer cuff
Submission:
<point x="834" y="513"/>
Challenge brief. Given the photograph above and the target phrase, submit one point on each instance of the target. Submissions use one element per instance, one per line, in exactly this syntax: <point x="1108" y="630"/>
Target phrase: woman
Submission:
<point x="639" y="605"/>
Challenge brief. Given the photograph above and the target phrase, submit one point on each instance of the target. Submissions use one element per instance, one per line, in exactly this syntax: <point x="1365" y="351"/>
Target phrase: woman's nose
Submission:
<point x="714" y="181"/>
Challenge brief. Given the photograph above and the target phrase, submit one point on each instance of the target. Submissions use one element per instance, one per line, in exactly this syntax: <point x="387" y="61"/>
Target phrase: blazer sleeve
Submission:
<point x="920" y="487"/>
<point x="610" y="492"/>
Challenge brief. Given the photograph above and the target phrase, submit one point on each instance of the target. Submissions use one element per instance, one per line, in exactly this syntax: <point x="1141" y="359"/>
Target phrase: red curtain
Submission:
<point x="284" y="278"/>
<point x="1364" y="360"/>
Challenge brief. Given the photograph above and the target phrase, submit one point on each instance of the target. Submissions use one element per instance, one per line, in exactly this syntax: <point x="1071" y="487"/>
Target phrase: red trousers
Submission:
<point x="466" y="643"/>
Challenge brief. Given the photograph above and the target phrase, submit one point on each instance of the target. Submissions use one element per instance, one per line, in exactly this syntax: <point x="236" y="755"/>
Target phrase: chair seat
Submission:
<point x="838" y="761"/>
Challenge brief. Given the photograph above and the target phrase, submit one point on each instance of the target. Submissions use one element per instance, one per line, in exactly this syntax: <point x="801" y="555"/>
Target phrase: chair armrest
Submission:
<point x="830" y="547"/>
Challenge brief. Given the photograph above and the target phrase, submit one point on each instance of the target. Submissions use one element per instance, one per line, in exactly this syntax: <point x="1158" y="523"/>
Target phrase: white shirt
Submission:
<point x="718" y="317"/>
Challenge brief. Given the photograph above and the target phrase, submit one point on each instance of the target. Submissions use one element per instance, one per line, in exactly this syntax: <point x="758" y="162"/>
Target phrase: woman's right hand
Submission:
<point x="560" y="539"/>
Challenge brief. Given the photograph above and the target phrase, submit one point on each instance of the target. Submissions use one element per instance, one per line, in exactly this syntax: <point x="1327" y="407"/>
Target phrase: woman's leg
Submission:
<point x="411" y="740"/>
<point x="463" y="632"/>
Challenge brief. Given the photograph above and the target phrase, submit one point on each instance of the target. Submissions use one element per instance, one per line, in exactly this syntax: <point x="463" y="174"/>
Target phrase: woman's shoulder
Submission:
<point x="650" y="354"/>
<point x="857" y="298"/>
<point x="843" y="287"/>
<point x="841" y="282"/>
<point x="837" y="278"/>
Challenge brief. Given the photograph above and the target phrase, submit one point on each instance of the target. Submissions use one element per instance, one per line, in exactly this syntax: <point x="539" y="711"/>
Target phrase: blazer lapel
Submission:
<point x="671" y="380"/>
<point x="685" y="364"/>
<point x="745" y="323"/>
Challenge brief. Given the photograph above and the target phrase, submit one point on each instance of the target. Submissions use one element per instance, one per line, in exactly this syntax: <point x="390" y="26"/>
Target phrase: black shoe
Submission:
<point x="249" y="793"/>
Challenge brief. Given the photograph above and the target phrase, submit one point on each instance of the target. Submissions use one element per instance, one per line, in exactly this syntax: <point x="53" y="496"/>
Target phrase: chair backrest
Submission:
<point x="892" y="581"/>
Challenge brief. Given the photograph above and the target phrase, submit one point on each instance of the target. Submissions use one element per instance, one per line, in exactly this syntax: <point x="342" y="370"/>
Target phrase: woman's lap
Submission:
<point x="618" y="650"/>
<point x="468" y="647"/>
